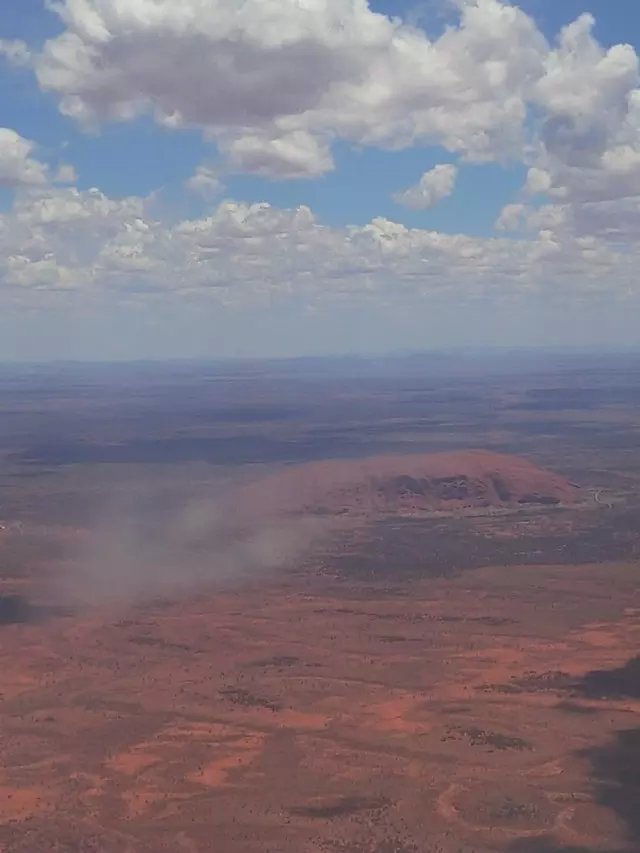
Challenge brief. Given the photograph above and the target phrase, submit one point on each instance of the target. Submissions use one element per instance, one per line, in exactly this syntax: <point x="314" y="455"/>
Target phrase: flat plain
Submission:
<point x="462" y="680"/>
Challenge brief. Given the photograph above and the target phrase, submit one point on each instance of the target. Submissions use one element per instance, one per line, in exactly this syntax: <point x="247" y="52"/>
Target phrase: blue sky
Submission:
<point x="348" y="111"/>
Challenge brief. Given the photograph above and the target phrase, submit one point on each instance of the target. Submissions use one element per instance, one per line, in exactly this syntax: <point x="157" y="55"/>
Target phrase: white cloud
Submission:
<point x="293" y="155"/>
<point x="87" y="246"/>
<point x="65" y="174"/>
<point x="16" y="52"/>
<point x="584" y="91"/>
<point x="538" y="181"/>
<point x="511" y="217"/>
<point x="205" y="182"/>
<point x="17" y="166"/>
<point x="275" y="82"/>
<point x="586" y="158"/>
<point x="433" y="186"/>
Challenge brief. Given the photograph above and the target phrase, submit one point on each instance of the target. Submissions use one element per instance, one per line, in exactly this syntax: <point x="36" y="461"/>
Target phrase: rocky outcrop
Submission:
<point x="402" y="484"/>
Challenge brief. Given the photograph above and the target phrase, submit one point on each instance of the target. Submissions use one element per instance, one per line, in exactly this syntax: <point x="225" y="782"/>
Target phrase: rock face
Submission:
<point x="402" y="484"/>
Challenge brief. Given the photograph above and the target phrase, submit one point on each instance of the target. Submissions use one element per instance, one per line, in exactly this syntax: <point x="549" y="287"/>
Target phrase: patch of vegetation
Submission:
<point x="391" y="844"/>
<point x="535" y="682"/>
<point x="575" y="708"/>
<point x="246" y="699"/>
<point x="278" y="661"/>
<point x="398" y="638"/>
<point x="494" y="740"/>
<point x="510" y="809"/>
<point x="145" y="640"/>
<point x="340" y="807"/>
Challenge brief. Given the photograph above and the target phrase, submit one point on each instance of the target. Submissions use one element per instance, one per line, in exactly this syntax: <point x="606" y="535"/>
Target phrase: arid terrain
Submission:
<point x="464" y="714"/>
<point x="407" y="484"/>
<point x="377" y="650"/>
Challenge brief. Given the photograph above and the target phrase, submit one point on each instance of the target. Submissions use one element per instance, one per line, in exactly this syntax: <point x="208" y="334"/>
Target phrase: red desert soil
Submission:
<point x="400" y="484"/>
<point x="309" y="716"/>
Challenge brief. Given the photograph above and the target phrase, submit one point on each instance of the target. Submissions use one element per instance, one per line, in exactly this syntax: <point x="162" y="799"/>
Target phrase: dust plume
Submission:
<point x="146" y="548"/>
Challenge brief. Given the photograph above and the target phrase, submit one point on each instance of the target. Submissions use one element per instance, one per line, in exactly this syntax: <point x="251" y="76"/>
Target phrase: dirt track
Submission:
<point x="310" y="715"/>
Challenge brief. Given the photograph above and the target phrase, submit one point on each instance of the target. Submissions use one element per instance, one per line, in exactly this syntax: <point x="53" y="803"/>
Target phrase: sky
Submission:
<point x="242" y="178"/>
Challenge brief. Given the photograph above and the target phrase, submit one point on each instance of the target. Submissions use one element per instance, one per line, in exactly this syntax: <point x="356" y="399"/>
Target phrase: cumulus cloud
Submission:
<point x="205" y="182"/>
<point x="274" y="83"/>
<point x="433" y="186"/>
<point x="538" y="181"/>
<point x="87" y="246"/>
<point x="586" y="155"/>
<point x="20" y="169"/>
<point x="298" y="154"/>
<point x="510" y="218"/>
<point x="17" y="166"/>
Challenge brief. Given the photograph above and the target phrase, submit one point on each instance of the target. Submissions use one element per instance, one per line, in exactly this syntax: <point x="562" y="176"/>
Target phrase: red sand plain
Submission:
<point x="310" y="714"/>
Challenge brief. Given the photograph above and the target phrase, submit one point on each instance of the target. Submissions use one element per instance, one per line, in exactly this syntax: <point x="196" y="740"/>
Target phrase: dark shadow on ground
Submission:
<point x="616" y="776"/>
<point x="18" y="610"/>
<point x="620" y="683"/>
<point x="546" y="844"/>
<point x="615" y="766"/>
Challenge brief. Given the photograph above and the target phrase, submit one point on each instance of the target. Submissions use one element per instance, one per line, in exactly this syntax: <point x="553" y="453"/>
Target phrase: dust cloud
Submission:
<point x="145" y="548"/>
